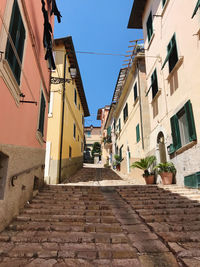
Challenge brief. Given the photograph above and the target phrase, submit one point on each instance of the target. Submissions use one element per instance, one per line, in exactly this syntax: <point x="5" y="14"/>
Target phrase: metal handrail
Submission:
<point x="15" y="176"/>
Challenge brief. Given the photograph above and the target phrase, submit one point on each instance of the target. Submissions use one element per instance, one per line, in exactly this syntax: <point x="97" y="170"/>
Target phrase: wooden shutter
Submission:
<point x="154" y="83"/>
<point x="137" y="133"/>
<point x="17" y="33"/>
<point x="149" y="27"/>
<point x="42" y="114"/>
<point x="175" y="132"/>
<point x="196" y="8"/>
<point x="190" y="121"/>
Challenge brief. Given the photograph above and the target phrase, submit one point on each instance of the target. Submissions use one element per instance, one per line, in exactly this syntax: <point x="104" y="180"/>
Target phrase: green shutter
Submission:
<point x="190" y="120"/>
<point x="168" y="54"/>
<point x="163" y="2"/>
<point x="196" y="8"/>
<point x="42" y="114"/>
<point x="17" y="33"/>
<point x="175" y="132"/>
<point x="149" y="27"/>
<point x="137" y="133"/>
<point x="109" y="131"/>
<point x="154" y="82"/>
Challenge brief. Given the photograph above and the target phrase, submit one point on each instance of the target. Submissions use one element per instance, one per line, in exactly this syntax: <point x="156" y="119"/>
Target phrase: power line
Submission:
<point x="100" y="54"/>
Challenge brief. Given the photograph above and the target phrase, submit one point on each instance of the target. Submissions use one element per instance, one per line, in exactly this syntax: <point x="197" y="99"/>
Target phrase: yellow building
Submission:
<point x="67" y="109"/>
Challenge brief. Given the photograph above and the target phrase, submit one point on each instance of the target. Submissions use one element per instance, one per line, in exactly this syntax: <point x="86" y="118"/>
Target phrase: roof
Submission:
<point x="67" y="41"/>
<point x="135" y="20"/>
<point x="119" y="85"/>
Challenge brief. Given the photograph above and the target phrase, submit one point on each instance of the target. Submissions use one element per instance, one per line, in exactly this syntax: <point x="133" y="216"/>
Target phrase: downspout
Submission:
<point x="140" y="104"/>
<point x="62" y="120"/>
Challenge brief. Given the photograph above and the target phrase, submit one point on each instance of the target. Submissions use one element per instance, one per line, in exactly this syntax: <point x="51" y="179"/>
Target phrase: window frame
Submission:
<point x="138" y="133"/>
<point x="154" y="83"/>
<point x="135" y="92"/>
<point x="42" y="110"/>
<point x="125" y="112"/>
<point x="75" y="96"/>
<point x="74" y="131"/>
<point x="177" y="141"/>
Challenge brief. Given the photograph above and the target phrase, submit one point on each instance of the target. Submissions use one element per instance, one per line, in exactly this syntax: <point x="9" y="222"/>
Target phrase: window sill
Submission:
<point x="176" y="67"/>
<point x="156" y="96"/>
<point x="183" y="149"/>
<point x="151" y="40"/>
<point x="40" y="137"/>
<point x="10" y="81"/>
<point x="164" y="8"/>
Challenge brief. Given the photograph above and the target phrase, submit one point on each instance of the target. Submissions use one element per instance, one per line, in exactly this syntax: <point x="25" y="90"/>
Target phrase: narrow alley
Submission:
<point x="129" y="225"/>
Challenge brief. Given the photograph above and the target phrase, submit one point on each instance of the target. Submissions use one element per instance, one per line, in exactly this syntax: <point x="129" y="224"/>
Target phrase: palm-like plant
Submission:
<point x="165" y="167"/>
<point x="144" y="164"/>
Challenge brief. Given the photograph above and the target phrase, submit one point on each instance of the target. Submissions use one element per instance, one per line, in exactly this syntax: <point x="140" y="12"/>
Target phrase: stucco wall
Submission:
<point x="19" y="159"/>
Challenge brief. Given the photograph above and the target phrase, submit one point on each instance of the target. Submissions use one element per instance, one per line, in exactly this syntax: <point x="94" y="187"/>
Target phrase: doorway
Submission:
<point x="161" y="146"/>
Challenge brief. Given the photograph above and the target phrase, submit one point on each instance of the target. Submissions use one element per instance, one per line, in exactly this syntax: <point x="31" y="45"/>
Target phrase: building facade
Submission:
<point x="68" y="107"/>
<point x="92" y="135"/>
<point x="24" y="82"/>
<point x="131" y="123"/>
<point x="172" y="52"/>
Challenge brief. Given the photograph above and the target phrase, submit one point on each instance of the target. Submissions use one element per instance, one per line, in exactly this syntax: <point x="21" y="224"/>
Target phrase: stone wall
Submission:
<point x="18" y="159"/>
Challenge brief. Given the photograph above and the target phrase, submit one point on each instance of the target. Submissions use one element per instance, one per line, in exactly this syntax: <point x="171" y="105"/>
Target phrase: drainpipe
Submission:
<point x="62" y="120"/>
<point x="141" y="117"/>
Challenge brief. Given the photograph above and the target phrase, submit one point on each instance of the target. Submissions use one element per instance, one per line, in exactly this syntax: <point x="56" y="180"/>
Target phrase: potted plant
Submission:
<point x="117" y="161"/>
<point x="167" y="171"/>
<point x="146" y="164"/>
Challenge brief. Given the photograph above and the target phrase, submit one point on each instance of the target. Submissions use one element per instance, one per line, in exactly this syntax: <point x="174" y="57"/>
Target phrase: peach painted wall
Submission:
<point x="19" y="124"/>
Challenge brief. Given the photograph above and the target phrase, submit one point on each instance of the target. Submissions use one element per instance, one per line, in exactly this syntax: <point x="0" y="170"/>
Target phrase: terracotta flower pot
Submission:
<point x="118" y="167"/>
<point x="149" y="179"/>
<point x="167" y="177"/>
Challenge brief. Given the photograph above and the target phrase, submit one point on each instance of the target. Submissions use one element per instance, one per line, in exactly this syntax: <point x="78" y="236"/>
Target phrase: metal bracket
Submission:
<point x="56" y="80"/>
<point x="26" y="101"/>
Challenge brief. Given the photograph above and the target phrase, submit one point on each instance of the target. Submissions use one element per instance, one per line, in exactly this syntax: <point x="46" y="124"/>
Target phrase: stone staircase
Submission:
<point x="173" y="213"/>
<point x="105" y="226"/>
<point x="93" y="174"/>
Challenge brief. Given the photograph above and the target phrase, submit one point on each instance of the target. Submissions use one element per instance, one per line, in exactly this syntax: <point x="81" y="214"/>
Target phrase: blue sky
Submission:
<point x="97" y="26"/>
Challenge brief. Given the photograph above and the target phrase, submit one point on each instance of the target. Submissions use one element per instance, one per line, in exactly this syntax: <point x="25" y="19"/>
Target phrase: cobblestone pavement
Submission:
<point x="105" y="226"/>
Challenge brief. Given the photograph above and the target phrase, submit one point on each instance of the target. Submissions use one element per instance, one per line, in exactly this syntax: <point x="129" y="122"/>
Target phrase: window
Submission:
<point x="172" y="54"/>
<point x="183" y="127"/>
<point x="42" y="114"/>
<point x="88" y="133"/>
<point x="154" y="84"/>
<point x="75" y="96"/>
<point x="135" y="92"/>
<point x="109" y="131"/>
<point x="125" y="112"/>
<point x="70" y="152"/>
<point x="163" y="2"/>
<point x="79" y="106"/>
<point x="74" y="132"/>
<point x="196" y="8"/>
<point x="149" y="27"/>
<point x="17" y="33"/>
<point x="137" y="133"/>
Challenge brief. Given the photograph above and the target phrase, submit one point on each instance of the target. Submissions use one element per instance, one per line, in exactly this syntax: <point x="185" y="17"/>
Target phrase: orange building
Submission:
<point x="25" y="62"/>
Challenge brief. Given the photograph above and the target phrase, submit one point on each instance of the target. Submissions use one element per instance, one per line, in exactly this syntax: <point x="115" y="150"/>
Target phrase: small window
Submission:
<point x="75" y="96"/>
<point x="154" y="84"/>
<point x="135" y="92"/>
<point x="17" y="33"/>
<point x="149" y="26"/>
<point x="120" y="153"/>
<point x="42" y="114"/>
<point x="88" y="133"/>
<point x="137" y="133"/>
<point x="74" y="132"/>
<point x="172" y="54"/>
<point x="70" y="152"/>
<point x="183" y="127"/>
<point x="125" y="112"/>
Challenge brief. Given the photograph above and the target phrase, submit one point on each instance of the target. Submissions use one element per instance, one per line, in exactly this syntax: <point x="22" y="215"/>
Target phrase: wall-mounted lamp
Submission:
<point x="73" y="72"/>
